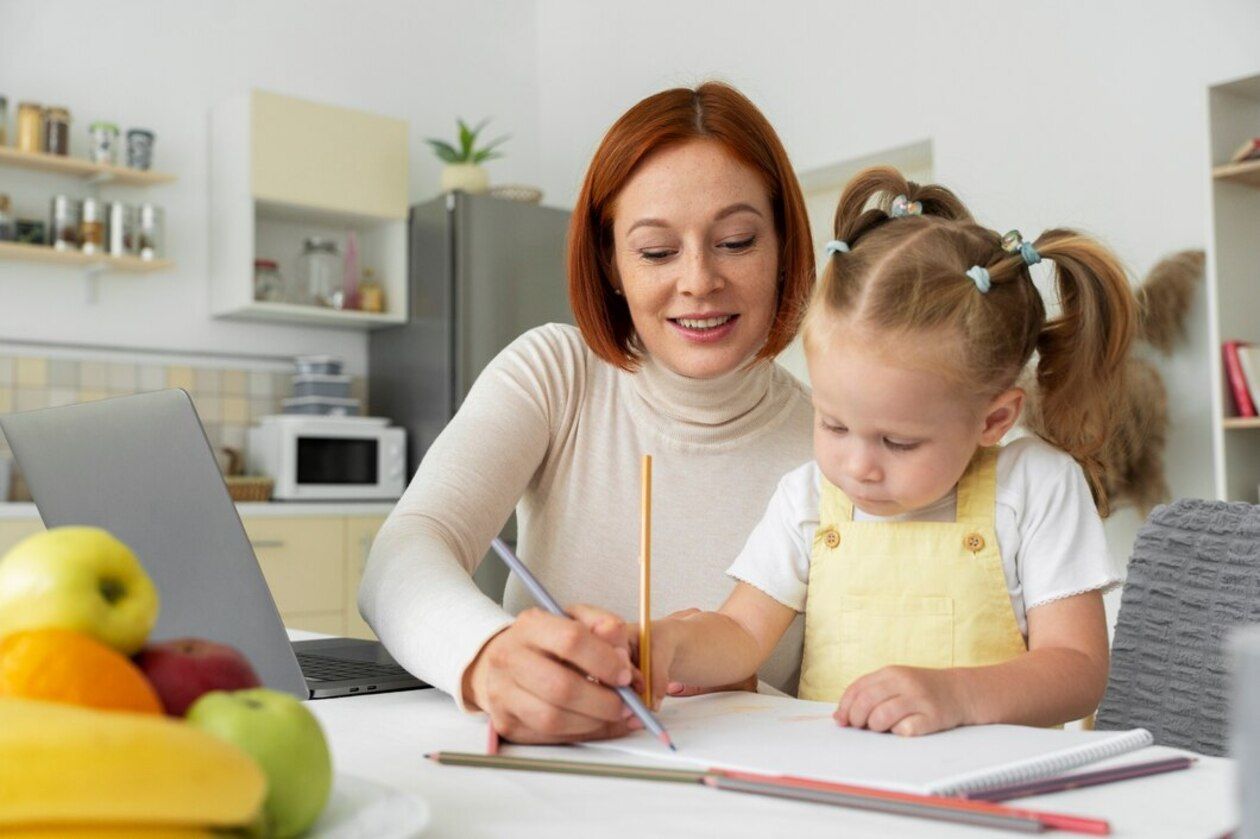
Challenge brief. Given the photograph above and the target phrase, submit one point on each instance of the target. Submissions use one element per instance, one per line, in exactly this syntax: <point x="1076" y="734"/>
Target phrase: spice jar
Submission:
<point x="121" y="221"/>
<point x="63" y="223"/>
<point x="30" y="127"/>
<point x="139" y="148"/>
<point x="57" y="131"/>
<point x="104" y="146"/>
<point x="268" y="284"/>
<point x="8" y="224"/>
<point x="92" y="226"/>
<point x="152" y="242"/>
<point x="371" y="293"/>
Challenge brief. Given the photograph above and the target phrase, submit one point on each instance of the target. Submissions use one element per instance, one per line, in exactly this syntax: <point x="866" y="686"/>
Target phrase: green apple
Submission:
<point x="79" y="578"/>
<point x="285" y="739"/>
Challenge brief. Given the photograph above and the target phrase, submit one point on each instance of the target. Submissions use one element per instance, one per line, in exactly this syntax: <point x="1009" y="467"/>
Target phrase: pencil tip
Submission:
<point x="664" y="738"/>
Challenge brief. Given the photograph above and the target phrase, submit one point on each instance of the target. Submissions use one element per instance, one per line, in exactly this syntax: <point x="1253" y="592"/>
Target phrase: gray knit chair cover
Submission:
<point x="1194" y="575"/>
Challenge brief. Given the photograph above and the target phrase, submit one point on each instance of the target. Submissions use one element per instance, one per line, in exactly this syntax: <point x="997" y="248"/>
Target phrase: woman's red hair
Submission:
<point x="713" y="111"/>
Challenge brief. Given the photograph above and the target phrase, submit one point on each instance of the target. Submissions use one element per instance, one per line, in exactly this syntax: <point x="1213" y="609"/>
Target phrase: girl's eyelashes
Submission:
<point x="895" y="446"/>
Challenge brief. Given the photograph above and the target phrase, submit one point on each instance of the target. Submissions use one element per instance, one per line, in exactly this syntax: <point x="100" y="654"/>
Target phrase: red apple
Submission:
<point x="183" y="669"/>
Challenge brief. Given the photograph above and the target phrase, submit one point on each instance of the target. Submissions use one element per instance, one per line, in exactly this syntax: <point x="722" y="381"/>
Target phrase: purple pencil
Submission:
<point x="1085" y="779"/>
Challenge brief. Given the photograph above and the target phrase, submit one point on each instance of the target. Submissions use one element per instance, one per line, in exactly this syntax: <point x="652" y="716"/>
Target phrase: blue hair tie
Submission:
<point x="1029" y="253"/>
<point x="836" y="246"/>
<point x="980" y="276"/>
<point x="903" y="206"/>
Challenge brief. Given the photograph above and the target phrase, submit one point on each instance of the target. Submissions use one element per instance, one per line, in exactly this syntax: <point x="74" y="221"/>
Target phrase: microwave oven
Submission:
<point x="322" y="458"/>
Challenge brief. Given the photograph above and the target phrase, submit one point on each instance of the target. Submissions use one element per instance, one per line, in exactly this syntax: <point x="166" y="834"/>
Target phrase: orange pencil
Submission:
<point x="645" y="579"/>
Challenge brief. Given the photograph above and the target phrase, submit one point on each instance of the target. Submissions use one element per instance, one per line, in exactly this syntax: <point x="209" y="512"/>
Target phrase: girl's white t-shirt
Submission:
<point x="1049" y="532"/>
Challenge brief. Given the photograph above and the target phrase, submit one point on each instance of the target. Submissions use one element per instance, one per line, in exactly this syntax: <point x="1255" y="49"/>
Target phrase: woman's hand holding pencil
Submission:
<point x="532" y="678"/>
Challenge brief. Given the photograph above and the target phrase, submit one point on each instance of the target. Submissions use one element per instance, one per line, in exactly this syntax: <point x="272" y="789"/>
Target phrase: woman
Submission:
<point x="689" y="264"/>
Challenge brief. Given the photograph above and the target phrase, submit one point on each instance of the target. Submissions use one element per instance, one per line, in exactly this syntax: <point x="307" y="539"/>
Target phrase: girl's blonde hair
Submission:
<point x="908" y="273"/>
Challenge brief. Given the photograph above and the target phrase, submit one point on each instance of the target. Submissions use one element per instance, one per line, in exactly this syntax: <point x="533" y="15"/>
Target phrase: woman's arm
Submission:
<point x="1062" y="677"/>
<point x="418" y="594"/>
<point x="709" y="649"/>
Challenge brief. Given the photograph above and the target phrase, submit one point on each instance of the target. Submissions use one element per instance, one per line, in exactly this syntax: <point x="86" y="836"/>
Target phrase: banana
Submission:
<point x="65" y="768"/>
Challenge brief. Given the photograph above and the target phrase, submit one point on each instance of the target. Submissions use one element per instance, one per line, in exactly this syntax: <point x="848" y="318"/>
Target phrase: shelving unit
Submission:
<point x="99" y="173"/>
<point x="1233" y="281"/>
<point x="284" y="169"/>
<point x="94" y="175"/>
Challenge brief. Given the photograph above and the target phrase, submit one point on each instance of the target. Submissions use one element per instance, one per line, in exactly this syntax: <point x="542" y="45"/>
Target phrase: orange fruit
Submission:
<point x="62" y="665"/>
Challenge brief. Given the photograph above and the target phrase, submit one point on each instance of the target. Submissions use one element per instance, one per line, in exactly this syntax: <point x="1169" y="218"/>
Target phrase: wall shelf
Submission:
<point x="1234" y="423"/>
<point x="92" y="262"/>
<point x="315" y="315"/>
<point x="1247" y="173"/>
<point x="99" y="173"/>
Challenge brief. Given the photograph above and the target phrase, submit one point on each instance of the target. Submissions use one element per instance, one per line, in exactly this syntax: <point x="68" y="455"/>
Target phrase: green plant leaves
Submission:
<point x="467" y="152"/>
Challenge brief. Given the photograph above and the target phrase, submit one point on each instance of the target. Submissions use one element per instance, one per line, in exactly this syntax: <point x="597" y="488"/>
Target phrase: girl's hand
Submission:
<point x="680" y="689"/>
<point x="904" y="700"/>
<point x="664" y="646"/>
<point x="542" y="680"/>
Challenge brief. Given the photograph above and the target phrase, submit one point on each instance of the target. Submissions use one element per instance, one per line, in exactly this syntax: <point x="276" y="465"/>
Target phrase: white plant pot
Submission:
<point x="466" y="176"/>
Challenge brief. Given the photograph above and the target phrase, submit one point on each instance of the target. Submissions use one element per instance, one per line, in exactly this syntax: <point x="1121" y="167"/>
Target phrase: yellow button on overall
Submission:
<point x="973" y="542"/>
<point x="831" y="539"/>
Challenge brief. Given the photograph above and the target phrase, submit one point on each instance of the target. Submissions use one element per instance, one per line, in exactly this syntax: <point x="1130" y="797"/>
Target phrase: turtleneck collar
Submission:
<point x="714" y="410"/>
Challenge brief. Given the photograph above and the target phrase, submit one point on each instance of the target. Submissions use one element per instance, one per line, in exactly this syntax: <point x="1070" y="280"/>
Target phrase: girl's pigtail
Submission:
<point x="1082" y="351"/>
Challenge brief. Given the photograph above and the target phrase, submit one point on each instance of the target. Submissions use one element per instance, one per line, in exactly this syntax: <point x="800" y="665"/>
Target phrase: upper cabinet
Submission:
<point x="326" y="158"/>
<point x="285" y="170"/>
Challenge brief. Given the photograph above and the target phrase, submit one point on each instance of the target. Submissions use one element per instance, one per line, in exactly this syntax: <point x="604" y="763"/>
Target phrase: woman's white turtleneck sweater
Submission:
<point x="556" y="432"/>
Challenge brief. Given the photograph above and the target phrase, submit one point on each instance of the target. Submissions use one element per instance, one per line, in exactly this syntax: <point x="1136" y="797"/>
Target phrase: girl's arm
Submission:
<point x="1062" y="677"/>
<point x="709" y="649"/>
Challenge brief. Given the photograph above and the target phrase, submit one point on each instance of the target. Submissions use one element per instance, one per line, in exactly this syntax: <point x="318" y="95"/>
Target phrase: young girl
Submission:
<point x="945" y="580"/>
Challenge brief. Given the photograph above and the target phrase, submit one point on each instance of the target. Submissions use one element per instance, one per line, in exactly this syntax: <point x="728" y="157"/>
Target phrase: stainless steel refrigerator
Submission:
<point x="482" y="271"/>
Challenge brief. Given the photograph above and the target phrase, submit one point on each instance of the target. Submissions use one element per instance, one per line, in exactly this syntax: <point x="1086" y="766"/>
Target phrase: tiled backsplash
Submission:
<point x="228" y="399"/>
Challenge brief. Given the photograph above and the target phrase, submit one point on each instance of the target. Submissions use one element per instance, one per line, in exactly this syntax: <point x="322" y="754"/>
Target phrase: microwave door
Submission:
<point x="336" y="462"/>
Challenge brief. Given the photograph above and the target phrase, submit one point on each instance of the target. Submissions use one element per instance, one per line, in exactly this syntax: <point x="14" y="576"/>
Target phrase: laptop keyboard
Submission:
<point x="322" y="668"/>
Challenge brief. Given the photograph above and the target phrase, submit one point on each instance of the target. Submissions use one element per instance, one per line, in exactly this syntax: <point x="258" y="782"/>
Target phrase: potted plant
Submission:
<point x="463" y="168"/>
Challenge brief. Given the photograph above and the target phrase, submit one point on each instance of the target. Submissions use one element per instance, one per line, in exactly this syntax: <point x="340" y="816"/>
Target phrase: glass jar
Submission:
<point x="30" y="127"/>
<point x="8" y="224"/>
<point x="371" y="293"/>
<point x="92" y="226"/>
<point x="63" y="223"/>
<point x="57" y="131"/>
<point x="104" y="145"/>
<point x="319" y="272"/>
<point x="139" y="148"/>
<point x="152" y="240"/>
<point x="121" y="229"/>
<point x="268" y="284"/>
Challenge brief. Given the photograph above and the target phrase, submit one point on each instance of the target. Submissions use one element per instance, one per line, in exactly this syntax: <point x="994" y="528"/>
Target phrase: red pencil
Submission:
<point x="1057" y="821"/>
<point x="492" y="739"/>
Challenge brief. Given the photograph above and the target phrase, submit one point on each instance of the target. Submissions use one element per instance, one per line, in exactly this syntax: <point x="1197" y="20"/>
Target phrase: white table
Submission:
<point x="385" y="737"/>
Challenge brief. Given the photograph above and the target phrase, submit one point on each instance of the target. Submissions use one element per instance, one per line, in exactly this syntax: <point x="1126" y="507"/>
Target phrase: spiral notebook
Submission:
<point x="776" y="735"/>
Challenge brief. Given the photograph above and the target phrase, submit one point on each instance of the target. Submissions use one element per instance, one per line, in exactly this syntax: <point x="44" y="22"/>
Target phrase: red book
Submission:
<point x="1237" y="381"/>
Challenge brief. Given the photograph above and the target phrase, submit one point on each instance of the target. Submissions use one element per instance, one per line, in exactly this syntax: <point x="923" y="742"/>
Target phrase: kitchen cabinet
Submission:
<point x="285" y="169"/>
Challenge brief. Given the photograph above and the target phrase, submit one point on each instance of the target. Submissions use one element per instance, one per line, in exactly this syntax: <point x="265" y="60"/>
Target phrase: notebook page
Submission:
<point x="784" y="736"/>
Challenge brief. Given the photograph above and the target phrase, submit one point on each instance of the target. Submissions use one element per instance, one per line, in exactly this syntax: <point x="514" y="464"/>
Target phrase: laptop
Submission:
<point x="141" y="467"/>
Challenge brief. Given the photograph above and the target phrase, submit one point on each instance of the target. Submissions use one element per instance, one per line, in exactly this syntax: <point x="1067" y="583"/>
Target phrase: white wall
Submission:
<point x="1040" y="113"/>
<point x="161" y="65"/>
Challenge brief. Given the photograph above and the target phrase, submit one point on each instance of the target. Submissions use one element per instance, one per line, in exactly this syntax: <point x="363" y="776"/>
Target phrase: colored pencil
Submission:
<point x="1084" y="779"/>
<point x="866" y="798"/>
<point x="1056" y="821"/>
<point x="645" y="578"/>
<point x="569" y="767"/>
<point x="544" y="598"/>
<point x="879" y="804"/>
